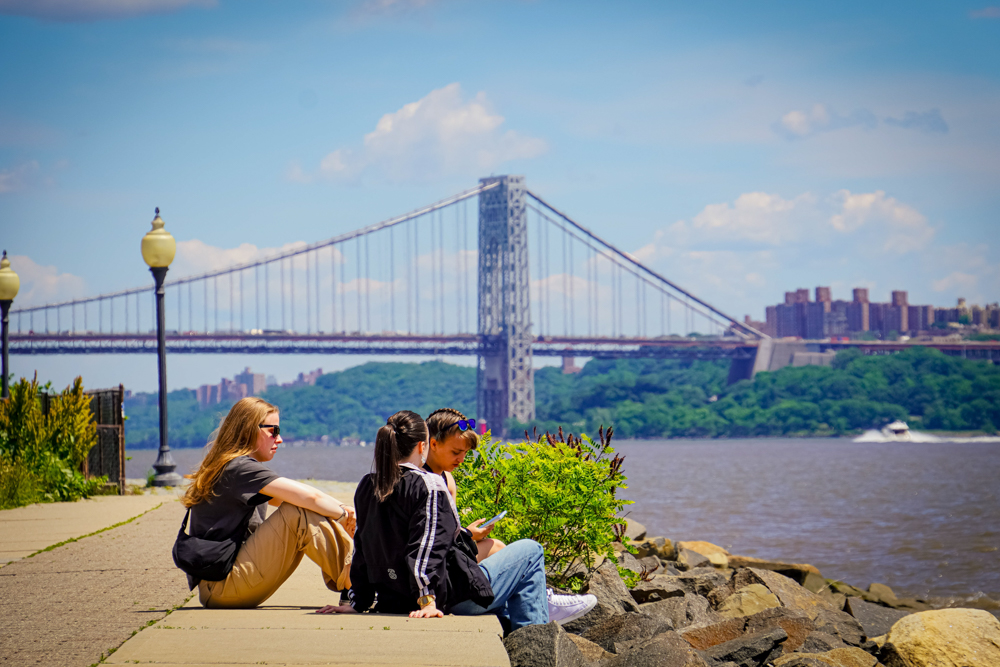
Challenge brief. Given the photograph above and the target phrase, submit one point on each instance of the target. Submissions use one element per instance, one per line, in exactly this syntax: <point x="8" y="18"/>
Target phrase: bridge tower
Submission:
<point x="505" y="381"/>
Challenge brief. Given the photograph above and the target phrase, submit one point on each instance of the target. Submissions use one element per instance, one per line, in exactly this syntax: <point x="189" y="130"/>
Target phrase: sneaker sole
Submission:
<point x="577" y="615"/>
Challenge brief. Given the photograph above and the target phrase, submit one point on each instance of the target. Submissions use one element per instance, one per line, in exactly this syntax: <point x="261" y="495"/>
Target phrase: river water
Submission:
<point x="923" y="518"/>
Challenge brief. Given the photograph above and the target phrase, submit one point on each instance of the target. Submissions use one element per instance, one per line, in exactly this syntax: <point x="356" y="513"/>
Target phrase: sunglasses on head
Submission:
<point x="275" y="429"/>
<point x="464" y="424"/>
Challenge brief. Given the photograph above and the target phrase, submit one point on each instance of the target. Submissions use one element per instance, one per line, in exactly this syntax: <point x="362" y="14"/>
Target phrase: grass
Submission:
<point x="96" y="532"/>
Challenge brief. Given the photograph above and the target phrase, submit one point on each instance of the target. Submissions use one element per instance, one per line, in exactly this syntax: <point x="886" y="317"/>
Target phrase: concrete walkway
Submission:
<point x="25" y="530"/>
<point x="74" y="604"/>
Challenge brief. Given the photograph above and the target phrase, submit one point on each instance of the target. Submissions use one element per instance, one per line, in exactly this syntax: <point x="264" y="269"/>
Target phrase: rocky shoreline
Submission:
<point x="693" y="604"/>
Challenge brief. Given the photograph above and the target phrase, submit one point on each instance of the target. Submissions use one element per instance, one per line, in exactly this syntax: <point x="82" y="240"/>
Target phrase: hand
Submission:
<point x="480" y="534"/>
<point x="349" y="520"/>
<point x="337" y="609"/>
<point x="430" y="611"/>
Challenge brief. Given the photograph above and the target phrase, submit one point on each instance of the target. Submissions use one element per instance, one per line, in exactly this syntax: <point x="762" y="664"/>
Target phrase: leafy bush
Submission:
<point x="559" y="491"/>
<point x="41" y="455"/>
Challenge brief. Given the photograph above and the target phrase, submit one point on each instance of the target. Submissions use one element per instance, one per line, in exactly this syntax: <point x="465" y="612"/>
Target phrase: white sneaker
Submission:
<point x="566" y="608"/>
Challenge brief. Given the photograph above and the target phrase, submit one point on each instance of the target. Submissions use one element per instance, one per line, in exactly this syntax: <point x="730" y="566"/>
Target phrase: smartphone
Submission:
<point x="493" y="520"/>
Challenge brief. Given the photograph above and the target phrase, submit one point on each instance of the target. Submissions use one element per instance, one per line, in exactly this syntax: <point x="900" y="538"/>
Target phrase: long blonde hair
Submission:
<point x="237" y="437"/>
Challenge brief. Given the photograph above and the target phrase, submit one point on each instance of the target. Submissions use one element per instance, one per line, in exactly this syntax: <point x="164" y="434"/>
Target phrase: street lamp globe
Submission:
<point x="9" y="282"/>
<point x="158" y="246"/>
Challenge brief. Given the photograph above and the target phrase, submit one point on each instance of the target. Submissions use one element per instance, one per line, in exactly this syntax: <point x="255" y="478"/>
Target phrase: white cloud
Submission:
<point x="800" y="124"/>
<point x="758" y="217"/>
<point x="44" y="284"/>
<point x="985" y="13"/>
<point x="957" y="280"/>
<point x="907" y="228"/>
<point x="441" y="133"/>
<point x="390" y="7"/>
<point x="19" y="177"/>
<point x="195" y="256"/>
<point x="93" y="10"/>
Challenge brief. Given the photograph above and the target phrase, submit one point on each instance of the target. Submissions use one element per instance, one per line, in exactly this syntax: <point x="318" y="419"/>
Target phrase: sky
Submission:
<point x="740" y="149"/>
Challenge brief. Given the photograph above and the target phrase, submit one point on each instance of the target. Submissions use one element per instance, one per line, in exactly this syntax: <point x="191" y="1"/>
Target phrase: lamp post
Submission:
<point x="158" y="248"/>
<point x="9" y="284"/>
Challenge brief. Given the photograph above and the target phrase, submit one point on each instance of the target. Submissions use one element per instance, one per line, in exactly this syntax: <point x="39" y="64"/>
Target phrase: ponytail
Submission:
<point x="393" y="443"/>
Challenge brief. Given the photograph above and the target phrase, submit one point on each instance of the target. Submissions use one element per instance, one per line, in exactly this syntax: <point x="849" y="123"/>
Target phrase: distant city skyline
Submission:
<point x="735" y="148"/>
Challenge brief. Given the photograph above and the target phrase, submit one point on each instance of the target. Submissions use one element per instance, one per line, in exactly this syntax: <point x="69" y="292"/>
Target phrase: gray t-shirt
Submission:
<point x="236" y="503"/>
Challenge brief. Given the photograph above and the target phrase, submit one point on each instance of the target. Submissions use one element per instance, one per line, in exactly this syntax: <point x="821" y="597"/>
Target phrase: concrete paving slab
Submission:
<point x="287" y="631"/>
<point x="25" y="530"/>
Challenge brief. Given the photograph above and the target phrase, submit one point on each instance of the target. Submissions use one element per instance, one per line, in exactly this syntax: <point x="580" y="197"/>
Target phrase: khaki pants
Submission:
<point x="273" y="552"/>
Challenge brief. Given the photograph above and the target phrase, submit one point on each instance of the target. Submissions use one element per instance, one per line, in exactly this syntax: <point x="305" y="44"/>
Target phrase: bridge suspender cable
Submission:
<point x="633" y="261"/>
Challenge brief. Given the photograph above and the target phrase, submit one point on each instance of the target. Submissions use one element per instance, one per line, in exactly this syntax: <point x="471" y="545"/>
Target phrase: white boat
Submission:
<point x="897" y="430"/>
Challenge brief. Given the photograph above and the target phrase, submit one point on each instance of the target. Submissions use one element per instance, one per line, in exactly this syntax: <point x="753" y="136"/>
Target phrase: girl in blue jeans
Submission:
<point x="407" y="559"/>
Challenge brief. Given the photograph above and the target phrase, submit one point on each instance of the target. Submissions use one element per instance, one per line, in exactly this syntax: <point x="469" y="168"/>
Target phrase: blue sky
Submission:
<point x="742" y="149"/>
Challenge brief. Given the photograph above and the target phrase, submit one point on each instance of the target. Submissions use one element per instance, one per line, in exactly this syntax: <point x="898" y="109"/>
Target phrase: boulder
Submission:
<point x="796" y="624"/>
<point x="612" y="598"/>
<point x="629" y="562"/>
<point x="910" y="604"/>
<point x="881" y="594"/>
<point x="698" y="611"/>
<point x="706" y="548"/>
<point x="701" y="580"/>
<point x="847" y="589"/>
<point x="707" y="636"/>
<point x="669" y="567"/>
<point x="796" y="571"/>
<point x="591" y="652"/>
<point x="966" y="637"/>
<point x="748" y="601"/>
<point x="543" y="645"/>
<point x="622" y="632"/>
<point x="815" y="583"/>
<point x="751" y="650"/>
<point x="665" y="650"/>
<point x="875" y="619"/>
<point x="788" y="592"/>
<point x="660" y="547"/>
<point x="659" y="587"/>
<point x="820" y="642"/>
<point x="689" y="560"/>
<point x="838" y="657"/>
<point x="634" y="530"/>
<point x="841" y="625"/>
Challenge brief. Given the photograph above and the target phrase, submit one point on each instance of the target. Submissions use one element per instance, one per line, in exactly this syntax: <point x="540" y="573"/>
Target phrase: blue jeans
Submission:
<point x="517" y="575"/>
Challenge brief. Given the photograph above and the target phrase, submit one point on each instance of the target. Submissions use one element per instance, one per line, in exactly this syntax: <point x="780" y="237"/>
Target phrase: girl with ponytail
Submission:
<point x="406" y="553"/>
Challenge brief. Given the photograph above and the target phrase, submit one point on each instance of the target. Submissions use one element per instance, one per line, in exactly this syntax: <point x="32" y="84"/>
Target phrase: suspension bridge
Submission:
<point x="452" y="278"/>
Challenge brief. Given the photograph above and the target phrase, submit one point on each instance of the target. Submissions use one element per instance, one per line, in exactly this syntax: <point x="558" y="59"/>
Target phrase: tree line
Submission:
<point x="642" y="398"/>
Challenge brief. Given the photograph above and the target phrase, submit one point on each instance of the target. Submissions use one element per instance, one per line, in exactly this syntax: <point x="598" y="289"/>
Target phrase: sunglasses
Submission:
<point x="464" y="424"/>
<point x="275" y="429"/>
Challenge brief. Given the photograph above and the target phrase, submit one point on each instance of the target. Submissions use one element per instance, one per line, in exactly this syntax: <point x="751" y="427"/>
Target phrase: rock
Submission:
<point x="660" y="547"/>
<point x="542" y="645"/>
<point x="881" y="593"/>
<point x="620" y="633"/>
<point x="875" y="619"/>
<point x="847" y="589"/>
<point x="706" y="548"/>
<point x="689" y="560"/>
<point x="838" y="657"/>
<point x="910" y="604"/>
<point x="669" y="567"/>
<point x="612" y="598"/>
<point x="629" y="562"/>
<point x="841" y="625"/>
<point x="820" y="642"/>
<point x="651" y="563"/>
<point x="665" y="650"/>
<point x="591" y="652"/>
<point x="750" y="650"/>
<point x="815" y="583"/>
<point x="788" y="592"/>
<point x="748" y="601"/>
<point x="660" y="587"/>
<point x="701" y="580"/>
<point x="796" y="571"/>
<point x="698" y="611"/>
<point x="634" y="530"/>
<point x="672" y="610"/>
<point x="796" y="624"/>
<point x="966" y="637"/>
<point x="708" y="636"/>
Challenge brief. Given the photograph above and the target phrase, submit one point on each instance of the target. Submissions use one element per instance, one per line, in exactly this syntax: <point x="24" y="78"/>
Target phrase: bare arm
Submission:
<point x="310" y="498"/>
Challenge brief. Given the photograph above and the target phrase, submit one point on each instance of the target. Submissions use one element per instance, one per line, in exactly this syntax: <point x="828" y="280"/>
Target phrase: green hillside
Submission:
<point x="642" y="398"/>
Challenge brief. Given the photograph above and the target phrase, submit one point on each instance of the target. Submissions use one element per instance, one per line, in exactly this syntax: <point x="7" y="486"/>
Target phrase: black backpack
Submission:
<point x="202" y="559"/>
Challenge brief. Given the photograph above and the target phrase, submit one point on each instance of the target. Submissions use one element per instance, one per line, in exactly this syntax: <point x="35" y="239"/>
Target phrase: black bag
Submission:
<point x="207" y="560"/>
<point x="466" y="579"/>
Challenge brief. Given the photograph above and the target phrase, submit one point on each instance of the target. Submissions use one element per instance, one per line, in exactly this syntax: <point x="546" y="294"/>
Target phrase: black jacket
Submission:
<point x="405" y="547"/>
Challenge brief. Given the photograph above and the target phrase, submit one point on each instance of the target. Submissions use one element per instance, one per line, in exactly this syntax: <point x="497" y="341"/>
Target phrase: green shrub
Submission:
<point x="42" y="455"/>
<point x="559" y="491"/>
